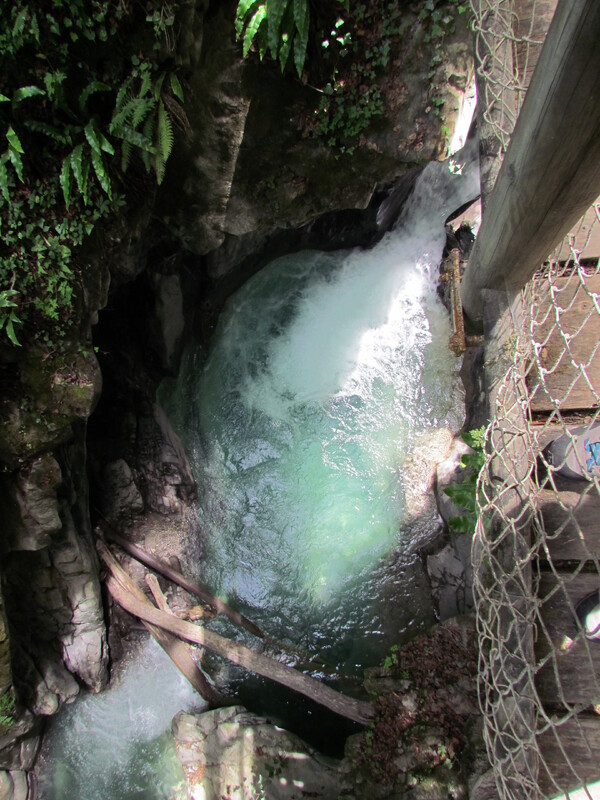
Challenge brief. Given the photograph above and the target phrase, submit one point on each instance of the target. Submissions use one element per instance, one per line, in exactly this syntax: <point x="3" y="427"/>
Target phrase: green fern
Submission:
<point x="280" y="27"/>
<point x="165" y="132"/>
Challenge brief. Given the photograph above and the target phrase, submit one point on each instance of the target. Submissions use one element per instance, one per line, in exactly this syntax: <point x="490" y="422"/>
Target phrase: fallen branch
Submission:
<point x="179" y="653"/>
<point x="158" y="565"/>
<point x="172" y="645"/>
<point x="355" y="710"/>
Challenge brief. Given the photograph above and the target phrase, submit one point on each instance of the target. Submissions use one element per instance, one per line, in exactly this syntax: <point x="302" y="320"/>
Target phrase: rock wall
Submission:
<point x="246" y="184"/>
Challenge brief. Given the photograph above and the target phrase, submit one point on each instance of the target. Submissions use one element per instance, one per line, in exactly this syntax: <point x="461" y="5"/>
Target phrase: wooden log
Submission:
<point x="173" y="647"/>
<point x="193" y="587"/>
<point x="551" y="172"/>
<point x="349" y="707"/>
<point x="179" y="653"/>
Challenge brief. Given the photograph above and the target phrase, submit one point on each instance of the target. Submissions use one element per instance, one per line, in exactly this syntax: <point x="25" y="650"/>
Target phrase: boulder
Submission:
<point x="229" y="752"/>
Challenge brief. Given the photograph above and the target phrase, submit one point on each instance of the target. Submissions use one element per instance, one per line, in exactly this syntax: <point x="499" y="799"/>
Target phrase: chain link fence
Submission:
<point x="536" y="552"/>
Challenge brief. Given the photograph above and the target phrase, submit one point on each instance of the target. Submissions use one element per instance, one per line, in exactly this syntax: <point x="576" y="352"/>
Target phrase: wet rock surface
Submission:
<point x="234" y="754"/>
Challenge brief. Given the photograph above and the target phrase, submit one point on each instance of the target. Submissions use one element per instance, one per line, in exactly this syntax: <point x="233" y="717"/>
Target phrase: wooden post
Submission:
<point x="551" y="172"/>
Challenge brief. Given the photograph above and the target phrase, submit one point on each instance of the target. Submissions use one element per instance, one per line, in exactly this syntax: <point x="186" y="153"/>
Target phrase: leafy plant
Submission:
<point x="280" y="27"/>
<point x="7" y="710"/>
<point x="66" y="109"/>
<point x="464" y="494"/>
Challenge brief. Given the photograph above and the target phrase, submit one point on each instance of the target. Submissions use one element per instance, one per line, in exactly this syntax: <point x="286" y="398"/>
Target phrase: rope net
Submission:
<point x="536" y="549"/>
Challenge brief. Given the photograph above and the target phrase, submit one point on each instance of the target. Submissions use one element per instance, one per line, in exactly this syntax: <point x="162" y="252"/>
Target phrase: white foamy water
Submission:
<point x="116" y="745"/>
<point x="324" y="370"/>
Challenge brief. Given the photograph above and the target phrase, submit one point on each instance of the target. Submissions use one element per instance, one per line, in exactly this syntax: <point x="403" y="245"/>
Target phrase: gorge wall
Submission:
<point x="247" y="181"/>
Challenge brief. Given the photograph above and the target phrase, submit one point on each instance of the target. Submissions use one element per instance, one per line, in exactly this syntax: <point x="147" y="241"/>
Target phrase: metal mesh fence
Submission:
<point x="536" y="552"/>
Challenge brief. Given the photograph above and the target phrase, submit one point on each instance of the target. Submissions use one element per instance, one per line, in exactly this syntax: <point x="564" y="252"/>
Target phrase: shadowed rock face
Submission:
<point x="246" y="178"/>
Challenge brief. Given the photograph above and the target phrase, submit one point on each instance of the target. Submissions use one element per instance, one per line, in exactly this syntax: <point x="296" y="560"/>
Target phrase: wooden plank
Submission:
<point x="579" y="323"/>
<point x="571" y="757"/>
<point x="572" y="523"/>
<point x="551" y="172"/>
<point x="574" y="677"/>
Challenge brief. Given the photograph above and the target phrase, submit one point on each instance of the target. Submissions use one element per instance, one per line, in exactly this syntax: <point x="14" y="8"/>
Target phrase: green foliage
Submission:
<point x="464" y="494"/>
<point x="391" y="660"/>
<point x="83" y="94"/>
<point x="7" y="711"/>
<point x="278" y="27"/>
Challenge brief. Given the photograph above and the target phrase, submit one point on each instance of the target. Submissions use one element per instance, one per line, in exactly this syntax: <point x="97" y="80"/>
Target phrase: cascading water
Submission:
<point x="324" y="371"/>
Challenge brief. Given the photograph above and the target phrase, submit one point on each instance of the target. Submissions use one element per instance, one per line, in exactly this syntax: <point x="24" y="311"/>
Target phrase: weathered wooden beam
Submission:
<point x="551" y="172"/>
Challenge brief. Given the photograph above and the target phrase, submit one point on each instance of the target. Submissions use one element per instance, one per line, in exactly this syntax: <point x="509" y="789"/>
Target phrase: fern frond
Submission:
<point x="157" y="88"/>
<point x="133" y="137"/>
<point x="92" y="137"/>
<point x="252" y="29"/>
<point x="165" y="132"/>
<point x="65" y="180"/>
<point x="25" y="92"/>
<point x="176" y="87"/>
<point x="76" y="159"/>
<point x="13" y="140"/>
<point x="122" y="94"/>
<point x="275" y="11"/>
<point x="159" y="167"/>
<point x="142" y="109"/>
<point x="101" y="173"/>
<point x="4" y="181"/>
<point x="90" y="89"/>
<point x="17" y="162"/>
<point x="244" y="8"/>
<point x="48" y="130"/>
<point x="126" y="150"/>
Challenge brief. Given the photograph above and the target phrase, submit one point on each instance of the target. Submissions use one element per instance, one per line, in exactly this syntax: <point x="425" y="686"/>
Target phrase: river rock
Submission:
<point x="422" y="525"/>
<point x="13" y="785"/>
<point x="230" y="752"/>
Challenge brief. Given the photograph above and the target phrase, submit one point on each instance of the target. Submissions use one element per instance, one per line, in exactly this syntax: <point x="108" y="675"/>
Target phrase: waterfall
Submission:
<point x="324" y="370"/>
